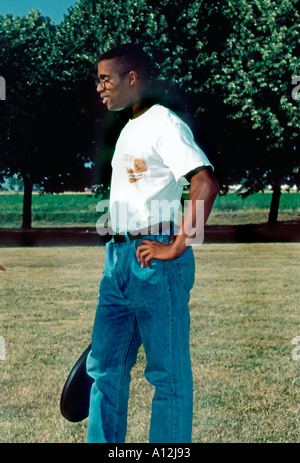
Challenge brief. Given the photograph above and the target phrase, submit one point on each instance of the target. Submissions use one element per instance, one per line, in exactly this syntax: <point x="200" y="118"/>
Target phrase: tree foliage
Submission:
<point x="45" y="133"/>
<point x="254" y="73"/>
<point x="226" y="66"/>
<point x="258" y="64"/>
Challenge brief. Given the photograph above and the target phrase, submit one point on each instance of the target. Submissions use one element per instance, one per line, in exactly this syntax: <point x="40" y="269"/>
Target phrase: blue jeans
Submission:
<point x="150" y="307"/>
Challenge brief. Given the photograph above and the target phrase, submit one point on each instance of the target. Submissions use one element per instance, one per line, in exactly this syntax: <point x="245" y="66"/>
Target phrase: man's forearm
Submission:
<point x="204" y="187"/>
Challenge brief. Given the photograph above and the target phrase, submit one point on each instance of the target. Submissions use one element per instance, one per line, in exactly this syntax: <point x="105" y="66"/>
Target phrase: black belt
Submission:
<point x="152" y="230"/>
<point x="122" y="238"/>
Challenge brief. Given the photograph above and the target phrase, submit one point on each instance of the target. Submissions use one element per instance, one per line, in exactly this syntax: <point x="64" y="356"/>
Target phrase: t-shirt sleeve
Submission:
<point x="179" y="151"/>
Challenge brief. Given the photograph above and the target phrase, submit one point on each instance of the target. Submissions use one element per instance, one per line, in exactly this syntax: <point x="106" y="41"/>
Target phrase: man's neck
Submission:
<point x="141" y="107"/>
<point x="138" y="110"/>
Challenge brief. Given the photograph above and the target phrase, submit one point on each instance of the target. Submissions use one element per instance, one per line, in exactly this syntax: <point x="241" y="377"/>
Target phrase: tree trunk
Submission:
<point x="273" y="214"/>
<point x="27" y="202"/>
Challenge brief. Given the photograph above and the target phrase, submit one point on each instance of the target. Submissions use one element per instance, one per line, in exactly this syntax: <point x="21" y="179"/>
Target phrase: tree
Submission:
<point x="90" y="29"/>
<point x="45" y="134"/>
<point x="234" y="61"/>
<point x="225" y="66"/>
<point x="25" y="44"/>
<point x="169" y="32"/>
<point x="254" y="74"/>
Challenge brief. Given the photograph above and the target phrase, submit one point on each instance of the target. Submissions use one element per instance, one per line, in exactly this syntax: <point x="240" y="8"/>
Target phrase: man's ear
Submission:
<point x="133" y="77"/>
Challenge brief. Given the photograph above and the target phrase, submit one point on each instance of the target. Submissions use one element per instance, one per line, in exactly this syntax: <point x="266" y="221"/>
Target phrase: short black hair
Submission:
<point x="132" y="57"/>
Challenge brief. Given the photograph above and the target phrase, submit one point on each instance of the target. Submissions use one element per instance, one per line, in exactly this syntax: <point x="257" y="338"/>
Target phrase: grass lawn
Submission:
<point x="70" y="210"/>
<point x="244" y="315"/>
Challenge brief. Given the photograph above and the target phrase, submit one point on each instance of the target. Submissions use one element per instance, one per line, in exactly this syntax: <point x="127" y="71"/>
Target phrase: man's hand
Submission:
<point x="149" y="249"/>
<point x="204" y="186"/>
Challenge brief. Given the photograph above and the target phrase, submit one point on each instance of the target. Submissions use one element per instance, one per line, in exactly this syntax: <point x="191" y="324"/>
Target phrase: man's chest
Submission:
<point x="136" y="157"/>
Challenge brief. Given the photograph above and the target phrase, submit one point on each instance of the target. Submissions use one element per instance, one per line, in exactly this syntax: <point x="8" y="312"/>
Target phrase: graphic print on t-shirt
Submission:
<point x="139" y="166"/>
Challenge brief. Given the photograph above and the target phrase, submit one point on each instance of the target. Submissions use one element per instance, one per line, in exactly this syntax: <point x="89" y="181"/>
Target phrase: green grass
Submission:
<point x="55" y="210"/>
<point x="244" y="315"/>
<point x="234" y="202"/>
<point x="66" y="210"/>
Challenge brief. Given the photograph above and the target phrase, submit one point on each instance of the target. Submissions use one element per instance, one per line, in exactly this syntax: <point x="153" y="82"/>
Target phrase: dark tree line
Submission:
<point x="227" y="67"/>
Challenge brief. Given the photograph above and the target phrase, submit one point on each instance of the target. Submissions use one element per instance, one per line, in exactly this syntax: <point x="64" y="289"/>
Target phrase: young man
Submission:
<point x="148" y="271"/>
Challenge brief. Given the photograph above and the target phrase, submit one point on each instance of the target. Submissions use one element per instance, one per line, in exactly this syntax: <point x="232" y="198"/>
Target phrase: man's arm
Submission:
<point x="203" y="186"/>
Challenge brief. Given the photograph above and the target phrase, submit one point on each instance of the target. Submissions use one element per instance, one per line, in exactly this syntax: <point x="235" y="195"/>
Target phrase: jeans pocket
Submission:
<point x="185" y="268"/>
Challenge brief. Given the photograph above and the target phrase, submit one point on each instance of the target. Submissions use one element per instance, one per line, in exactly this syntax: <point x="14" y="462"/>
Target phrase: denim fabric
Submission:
<point x="150" y="307"/>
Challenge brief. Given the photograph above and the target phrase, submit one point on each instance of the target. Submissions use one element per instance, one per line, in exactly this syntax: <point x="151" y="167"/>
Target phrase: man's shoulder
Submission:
<point x="164" y="115"/>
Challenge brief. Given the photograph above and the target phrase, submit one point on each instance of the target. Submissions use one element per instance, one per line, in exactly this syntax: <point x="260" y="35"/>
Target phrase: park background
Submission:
<point x="226" y="68"/>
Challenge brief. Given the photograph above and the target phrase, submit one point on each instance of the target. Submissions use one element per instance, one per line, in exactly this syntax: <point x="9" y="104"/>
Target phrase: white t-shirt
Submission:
<point x="152" y="155"/>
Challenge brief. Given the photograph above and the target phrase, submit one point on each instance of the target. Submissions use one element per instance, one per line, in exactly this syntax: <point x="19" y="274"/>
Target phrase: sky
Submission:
<point x="53" y="8"/>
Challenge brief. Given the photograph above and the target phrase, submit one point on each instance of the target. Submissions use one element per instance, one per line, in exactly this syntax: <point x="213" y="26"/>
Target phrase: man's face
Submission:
<point x="115" y="88"/>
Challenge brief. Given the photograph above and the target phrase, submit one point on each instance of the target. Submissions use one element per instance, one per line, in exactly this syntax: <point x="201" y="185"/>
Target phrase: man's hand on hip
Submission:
<point x="149" y="249"/>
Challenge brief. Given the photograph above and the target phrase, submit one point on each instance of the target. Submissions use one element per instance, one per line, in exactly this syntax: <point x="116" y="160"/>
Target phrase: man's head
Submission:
<point x="123" y="74"/>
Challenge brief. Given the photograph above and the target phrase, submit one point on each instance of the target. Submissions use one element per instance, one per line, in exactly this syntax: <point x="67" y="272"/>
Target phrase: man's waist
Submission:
<point x="166" y="228"/>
